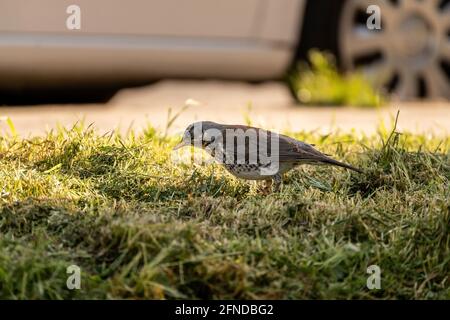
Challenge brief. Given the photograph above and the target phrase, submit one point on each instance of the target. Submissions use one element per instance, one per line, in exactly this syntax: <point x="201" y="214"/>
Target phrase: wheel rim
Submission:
<point x="410" y="55"/>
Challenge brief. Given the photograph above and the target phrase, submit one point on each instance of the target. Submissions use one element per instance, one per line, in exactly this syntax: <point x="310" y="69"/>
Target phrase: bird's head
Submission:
<point x="200" y="134"/>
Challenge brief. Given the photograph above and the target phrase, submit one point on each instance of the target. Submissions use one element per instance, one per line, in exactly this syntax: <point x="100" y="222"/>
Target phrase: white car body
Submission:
<point x="145" y="39"/>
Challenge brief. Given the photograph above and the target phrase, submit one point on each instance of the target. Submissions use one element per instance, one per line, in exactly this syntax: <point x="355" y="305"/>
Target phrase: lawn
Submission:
<point x="319" y="82"/>
<point x="140" y="226"/>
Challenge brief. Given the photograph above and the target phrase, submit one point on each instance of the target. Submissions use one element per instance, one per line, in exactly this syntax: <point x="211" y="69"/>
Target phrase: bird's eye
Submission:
<point x="207" y="142"/>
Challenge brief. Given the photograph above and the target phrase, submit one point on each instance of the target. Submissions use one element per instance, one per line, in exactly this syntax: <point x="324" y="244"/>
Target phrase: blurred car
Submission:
<point x="137" y="40"/>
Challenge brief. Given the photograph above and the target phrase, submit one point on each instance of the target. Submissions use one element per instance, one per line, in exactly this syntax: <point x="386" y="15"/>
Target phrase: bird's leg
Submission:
<point x="267" y="186"/>
<point x="277" y="179"/>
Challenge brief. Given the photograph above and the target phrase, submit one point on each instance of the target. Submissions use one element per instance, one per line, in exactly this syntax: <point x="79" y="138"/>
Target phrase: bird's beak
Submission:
<point x="180" y="145"/>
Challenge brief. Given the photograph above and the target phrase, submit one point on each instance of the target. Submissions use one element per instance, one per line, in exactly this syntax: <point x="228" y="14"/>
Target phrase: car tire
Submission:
<point x="319" y="29"/>
<point x="412" y="59"/>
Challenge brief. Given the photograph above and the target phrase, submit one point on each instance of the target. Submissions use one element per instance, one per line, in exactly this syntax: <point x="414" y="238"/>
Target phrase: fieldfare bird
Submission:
<point x="252" y="153"/>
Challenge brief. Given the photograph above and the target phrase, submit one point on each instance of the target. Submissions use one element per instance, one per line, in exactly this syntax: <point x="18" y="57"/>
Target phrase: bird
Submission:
<point x="253" y="153"/>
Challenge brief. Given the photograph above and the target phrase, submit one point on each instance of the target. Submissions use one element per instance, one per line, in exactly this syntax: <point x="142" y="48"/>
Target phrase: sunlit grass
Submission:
<point x="140" y="226"/>
<point x="320" y="83"/>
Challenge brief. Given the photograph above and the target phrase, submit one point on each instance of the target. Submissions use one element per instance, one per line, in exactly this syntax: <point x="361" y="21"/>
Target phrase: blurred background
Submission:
<point x="302" y="64"/>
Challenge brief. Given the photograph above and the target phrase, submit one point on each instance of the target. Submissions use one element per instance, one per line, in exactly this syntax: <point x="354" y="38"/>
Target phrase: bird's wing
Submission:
<point x="293" y="150"/>
<point x="289" y="149"/>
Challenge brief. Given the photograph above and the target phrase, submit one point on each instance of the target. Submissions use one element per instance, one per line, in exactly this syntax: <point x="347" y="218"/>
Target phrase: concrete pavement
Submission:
<point x="227" y="102"/>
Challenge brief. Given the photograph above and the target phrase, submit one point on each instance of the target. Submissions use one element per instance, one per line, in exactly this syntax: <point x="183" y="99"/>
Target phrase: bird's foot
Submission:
<point x="278" y="180"/>
<point x="267" y="189"/>
<point x="272" y="185"/>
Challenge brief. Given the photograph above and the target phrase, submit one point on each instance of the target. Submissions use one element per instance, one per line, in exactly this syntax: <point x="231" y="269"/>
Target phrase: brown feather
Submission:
<point x="290" y="149"/>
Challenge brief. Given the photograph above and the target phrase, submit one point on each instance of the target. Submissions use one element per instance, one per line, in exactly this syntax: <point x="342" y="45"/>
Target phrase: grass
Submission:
<point x="320" y="83"/>
<point x="140" y="226"/>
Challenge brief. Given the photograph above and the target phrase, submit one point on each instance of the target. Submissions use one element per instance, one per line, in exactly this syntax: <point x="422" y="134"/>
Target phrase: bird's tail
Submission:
<point x="339" y="164"/>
